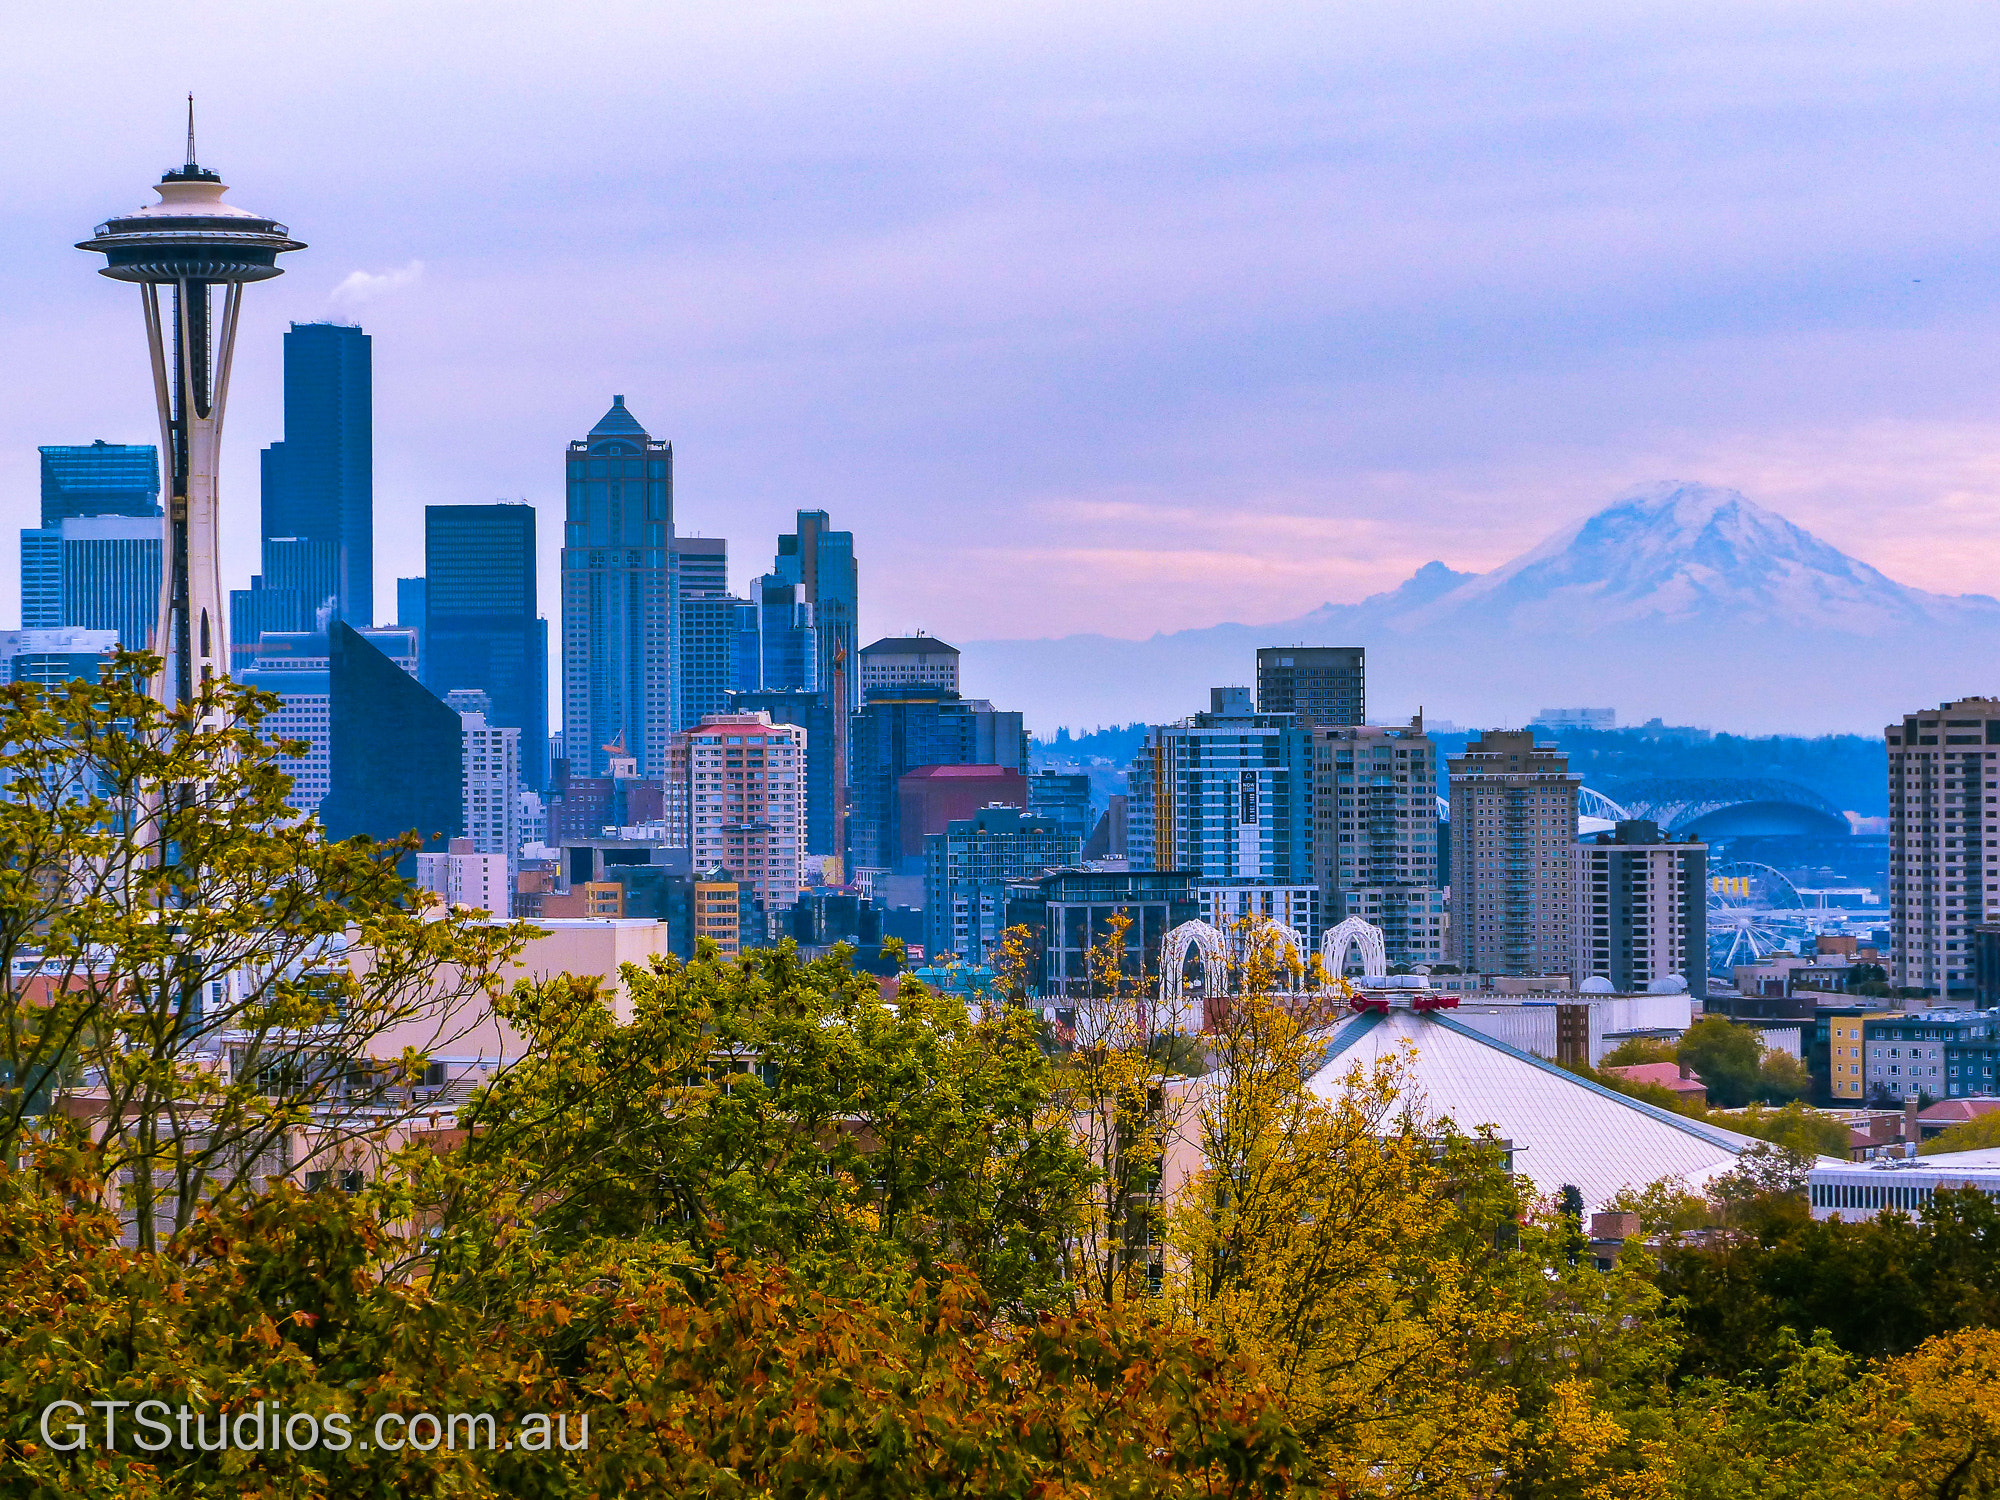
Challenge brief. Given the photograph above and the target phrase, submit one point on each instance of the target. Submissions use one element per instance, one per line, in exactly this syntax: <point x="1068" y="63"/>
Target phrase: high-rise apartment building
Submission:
<point x="909" y="661"/>
<point x="1944" y="801"/>
<point x="492" y="811"/>
<point x="1640" y="909"/>
<point x="899" y="730"/>
<point x="319" y="481"/>
<point x="1224" y="794"/>
<point x="396" y="751"/>
<point x="94" y="572"/>
<point x="1513" y="827"/>
<point x="812" y="713"/>
<point x="99" y="479"/>
<point x="1375" y="826"/>
<point x="480" y="625"/>
<point x="739" y="780"/>
<point x="968" y="867"/>
<point x="1318" y="684"/>
<point x="618" y="596"/>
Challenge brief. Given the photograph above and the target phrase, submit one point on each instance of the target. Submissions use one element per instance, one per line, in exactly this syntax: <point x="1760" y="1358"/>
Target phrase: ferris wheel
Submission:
<point x="1753" y="911"/>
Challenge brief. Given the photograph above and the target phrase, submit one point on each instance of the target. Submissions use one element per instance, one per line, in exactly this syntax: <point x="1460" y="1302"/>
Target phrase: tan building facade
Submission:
<point x="739" y="783"/>
<point x="1513" y="827"/>
<point x="1944" y="818"/>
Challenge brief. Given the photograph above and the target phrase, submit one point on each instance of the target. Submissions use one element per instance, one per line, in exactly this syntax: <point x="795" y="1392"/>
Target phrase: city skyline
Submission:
<point x="1088" y="417"/>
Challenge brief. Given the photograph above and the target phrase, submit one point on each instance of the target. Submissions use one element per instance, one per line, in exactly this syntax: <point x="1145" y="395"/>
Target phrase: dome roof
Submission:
<point x="1668" y="984"/>
<point x="1597" y="984"/>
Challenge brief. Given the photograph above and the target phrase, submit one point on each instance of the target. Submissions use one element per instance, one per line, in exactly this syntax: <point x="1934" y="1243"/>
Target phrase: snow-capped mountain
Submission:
<point x="1683" y="601"/>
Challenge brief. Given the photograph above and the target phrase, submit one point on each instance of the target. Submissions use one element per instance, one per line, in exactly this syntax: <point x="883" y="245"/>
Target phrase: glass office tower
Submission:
<point x="480" y="628"/>
<point x="319" y="482"/>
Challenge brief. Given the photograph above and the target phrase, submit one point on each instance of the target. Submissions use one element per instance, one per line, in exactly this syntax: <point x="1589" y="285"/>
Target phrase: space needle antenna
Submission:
<point x="190" y="242"/>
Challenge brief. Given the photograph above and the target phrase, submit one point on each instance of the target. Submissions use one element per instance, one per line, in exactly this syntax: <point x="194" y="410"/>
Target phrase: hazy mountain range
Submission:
<point x="1680" y="601"/>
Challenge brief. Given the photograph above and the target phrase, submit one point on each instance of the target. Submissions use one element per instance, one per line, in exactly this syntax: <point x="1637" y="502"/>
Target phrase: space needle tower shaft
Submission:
<point x="190" y="243"/>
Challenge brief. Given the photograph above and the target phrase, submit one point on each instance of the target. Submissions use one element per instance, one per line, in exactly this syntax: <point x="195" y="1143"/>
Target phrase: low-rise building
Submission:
<point x="1935" y="1054"/>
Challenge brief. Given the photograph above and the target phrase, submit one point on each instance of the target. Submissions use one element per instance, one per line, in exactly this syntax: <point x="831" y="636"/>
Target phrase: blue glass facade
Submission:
<point x="319" y="482"/>
<point x="618" y="596"/>
<point x="898" y="730"/>
<point x="480" y="626"/>
<point x="97" y="572"/>
<point x="99" y="479"/>
<point x="395" y="751"/>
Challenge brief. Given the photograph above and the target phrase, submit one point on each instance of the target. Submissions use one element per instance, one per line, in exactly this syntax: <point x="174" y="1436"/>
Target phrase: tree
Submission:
<point x="768" y="1108"/>
<point x="1423" y="1327"/>
<point x="1794" y="1126"/>
<point x="1976" y="1134"/>
<point x="1781" y="1077"/>
<point x="198" y="989"/>
<point x="1725" y="1057"/>
<point x="1638" y="1050"/>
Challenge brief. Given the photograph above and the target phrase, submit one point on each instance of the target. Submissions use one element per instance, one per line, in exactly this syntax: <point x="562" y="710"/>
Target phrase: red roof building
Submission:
<point x="1664" y="1075"/>
<point x="932" y="796"/>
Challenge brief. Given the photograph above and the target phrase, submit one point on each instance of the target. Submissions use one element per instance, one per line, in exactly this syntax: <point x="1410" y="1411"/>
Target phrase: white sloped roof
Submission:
<point x="1566" y="1129"/>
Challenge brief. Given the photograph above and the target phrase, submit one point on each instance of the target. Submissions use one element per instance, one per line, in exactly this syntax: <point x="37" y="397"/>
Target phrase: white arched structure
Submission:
<point x="1354" y="933"/>
<point x="1177" y="1014"/>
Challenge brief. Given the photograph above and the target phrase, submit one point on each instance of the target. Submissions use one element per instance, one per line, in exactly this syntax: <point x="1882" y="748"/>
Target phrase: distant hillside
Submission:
<point x="1678" y="600"/>
<point x="1848" y="770"/>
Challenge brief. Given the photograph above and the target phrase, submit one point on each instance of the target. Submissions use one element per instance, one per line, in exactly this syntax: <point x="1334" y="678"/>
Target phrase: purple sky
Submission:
<point x="1120" y="319"/>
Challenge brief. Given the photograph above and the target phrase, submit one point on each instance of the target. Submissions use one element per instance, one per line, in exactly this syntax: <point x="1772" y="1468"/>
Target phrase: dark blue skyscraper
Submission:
<point x="319" y="483"/>
<point x="821" y="561"/>
<point x="480" y="629"/>
<point x="395" y="751"/>
<point x="99" y="479"/>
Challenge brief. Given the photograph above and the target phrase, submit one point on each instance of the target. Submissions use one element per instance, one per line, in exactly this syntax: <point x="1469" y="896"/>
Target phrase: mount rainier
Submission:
<point x="1682" y="601"/>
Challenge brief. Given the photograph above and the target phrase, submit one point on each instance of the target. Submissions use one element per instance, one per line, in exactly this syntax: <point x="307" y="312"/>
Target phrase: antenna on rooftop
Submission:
<point x="190" y="155"/>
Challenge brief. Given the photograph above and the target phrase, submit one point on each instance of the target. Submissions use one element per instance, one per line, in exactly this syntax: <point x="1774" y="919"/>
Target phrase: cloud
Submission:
<point x="366" y="286"/>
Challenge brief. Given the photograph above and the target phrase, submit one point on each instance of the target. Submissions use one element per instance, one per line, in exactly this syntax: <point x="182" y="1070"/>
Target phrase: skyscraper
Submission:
<point x="1513" y="826"/>
<point x="1942" y="764"/>
<point x="821" y="560"/>
<point x="1224" y="795"/>
<point x="812" y="714"/>
<point x="741" y="779"/>
<point x="1641" y="908"/>
<point x="54" y="657"/>
<point x="897" y="731"/>
<point x="903" y="661"/>
<point x="319" y="482"/>
<point x="1320" y="684"/>
<point x="788" y="655"/>
<point x="715" y="634"/>
<point x="192" y="242"/>
<point x="99" y="479"/>
<point x="1375" y="831"/>
<point x="618" y="596"/>
<point x="396" y="751"/>
<point x="101" y="572"/>
<point x="480" y="627"/>
<point x="492" y="818"/>
<point x="294" y="665"/>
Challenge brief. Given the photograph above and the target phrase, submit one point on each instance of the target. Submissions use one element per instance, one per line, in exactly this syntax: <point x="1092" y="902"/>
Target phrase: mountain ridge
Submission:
<point x="1678" y="599"/>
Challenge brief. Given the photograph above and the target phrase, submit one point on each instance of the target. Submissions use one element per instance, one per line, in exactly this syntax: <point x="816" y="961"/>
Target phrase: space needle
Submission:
<point x="192" y="242"/>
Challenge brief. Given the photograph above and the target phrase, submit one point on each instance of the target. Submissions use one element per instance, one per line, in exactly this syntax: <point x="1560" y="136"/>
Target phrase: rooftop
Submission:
<point x="909" y="645"/>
